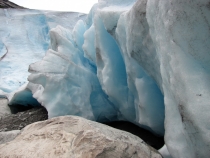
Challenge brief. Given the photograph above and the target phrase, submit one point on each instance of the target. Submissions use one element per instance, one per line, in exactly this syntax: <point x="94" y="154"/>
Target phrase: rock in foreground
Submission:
<point x="75" y="137"/>
<point x="8" y="136"/>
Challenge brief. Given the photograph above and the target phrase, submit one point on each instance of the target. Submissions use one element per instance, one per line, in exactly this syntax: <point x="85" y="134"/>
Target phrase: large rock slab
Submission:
<point x="75" y="137"/>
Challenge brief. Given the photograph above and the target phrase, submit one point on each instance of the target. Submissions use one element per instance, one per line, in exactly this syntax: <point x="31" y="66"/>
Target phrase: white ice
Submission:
<point x="143" y="61"/>
<point x="164" y="152"/>
<point x="24" y="39"/>
<point x="67" y="79"/>
<point x="91" y="56"/>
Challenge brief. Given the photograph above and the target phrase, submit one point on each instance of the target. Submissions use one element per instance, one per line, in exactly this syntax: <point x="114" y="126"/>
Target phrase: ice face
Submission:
<point x="111" y="70"/>
<point x="90" y="73"/>
<point x="132" y="36"/>
<point x="24" y="39"/>
<point x="180" y="31"/>
<point x="69" y="78"/>
<point x="141" y="61"/>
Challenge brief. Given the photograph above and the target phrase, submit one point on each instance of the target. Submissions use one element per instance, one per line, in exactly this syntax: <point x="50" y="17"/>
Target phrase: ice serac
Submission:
<point x="169" y="41"/>
<point x="142" y="61"/>
<point x="90" y="73"/>
<point x="131" y="34"/>
<point x="24" y="39"/>
<point x="67" y="81"/>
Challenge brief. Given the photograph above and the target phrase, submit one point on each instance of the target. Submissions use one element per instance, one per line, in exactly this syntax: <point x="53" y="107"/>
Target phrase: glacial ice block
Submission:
<point x="91" y="69"/>
<point x="124" y="32"/>
<point x="24" y="39"/>
<point x="168" y="41"/>
<point x="67" y="85"/>
<point x="180" y="32"/>
<point x="142" y="61"/>
<point x="89" y="45"/>
<point x="111" y="70"/>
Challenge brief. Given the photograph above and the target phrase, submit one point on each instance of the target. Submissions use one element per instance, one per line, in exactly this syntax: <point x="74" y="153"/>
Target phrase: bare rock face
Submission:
<point x="75" y="137"/>
<point x="8" y="4"/>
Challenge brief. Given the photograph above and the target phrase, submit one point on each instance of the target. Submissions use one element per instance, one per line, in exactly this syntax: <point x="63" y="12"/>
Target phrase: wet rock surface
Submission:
<point x="22" y="119"/>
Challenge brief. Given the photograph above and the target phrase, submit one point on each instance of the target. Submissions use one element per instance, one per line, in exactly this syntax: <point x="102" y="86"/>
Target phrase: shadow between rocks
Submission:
<point x="155" y="141"/>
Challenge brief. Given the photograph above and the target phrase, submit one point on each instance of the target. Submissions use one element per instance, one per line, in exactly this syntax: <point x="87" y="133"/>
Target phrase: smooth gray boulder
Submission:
<point x="75" y="137"/>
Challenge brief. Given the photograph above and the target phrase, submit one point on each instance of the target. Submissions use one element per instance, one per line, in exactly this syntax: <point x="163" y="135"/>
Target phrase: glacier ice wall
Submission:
<point x="68" y="82"/>
<point x="24" y="39"/>
<point x="88" y="73"/>
<point x="143" y="61"/>
<point x="180" y="32"/>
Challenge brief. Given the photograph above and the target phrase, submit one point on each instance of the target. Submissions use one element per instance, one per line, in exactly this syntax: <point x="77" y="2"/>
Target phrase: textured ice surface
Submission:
<point x="67" y="81"/>
<point x="164" y="152"/>
<point x="133" y="82"/>
<point x="180" y="32"/>
<point x="24" y="39"/>
<point x="88" y="73"/>
<point x="143" y="61"/>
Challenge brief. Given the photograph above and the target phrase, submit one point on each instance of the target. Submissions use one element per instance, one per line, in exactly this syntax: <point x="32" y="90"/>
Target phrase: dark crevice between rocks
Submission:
<point x="155" y="141"/>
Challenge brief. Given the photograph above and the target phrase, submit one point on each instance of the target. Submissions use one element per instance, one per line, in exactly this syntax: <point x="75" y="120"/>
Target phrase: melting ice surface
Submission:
<point x="87" y="73"/>
<point x="143" y="61"/>
<point x="24" y="39"/>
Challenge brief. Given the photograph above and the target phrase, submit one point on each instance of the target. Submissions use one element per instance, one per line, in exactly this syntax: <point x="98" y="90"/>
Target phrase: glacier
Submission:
<point x="82" y="69"/>
<point x="143" y="61"/>
<point x="24" y="39"/>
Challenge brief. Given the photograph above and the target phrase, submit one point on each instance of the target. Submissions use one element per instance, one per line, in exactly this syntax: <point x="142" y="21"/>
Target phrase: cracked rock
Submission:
<point x="76" y="137"/>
